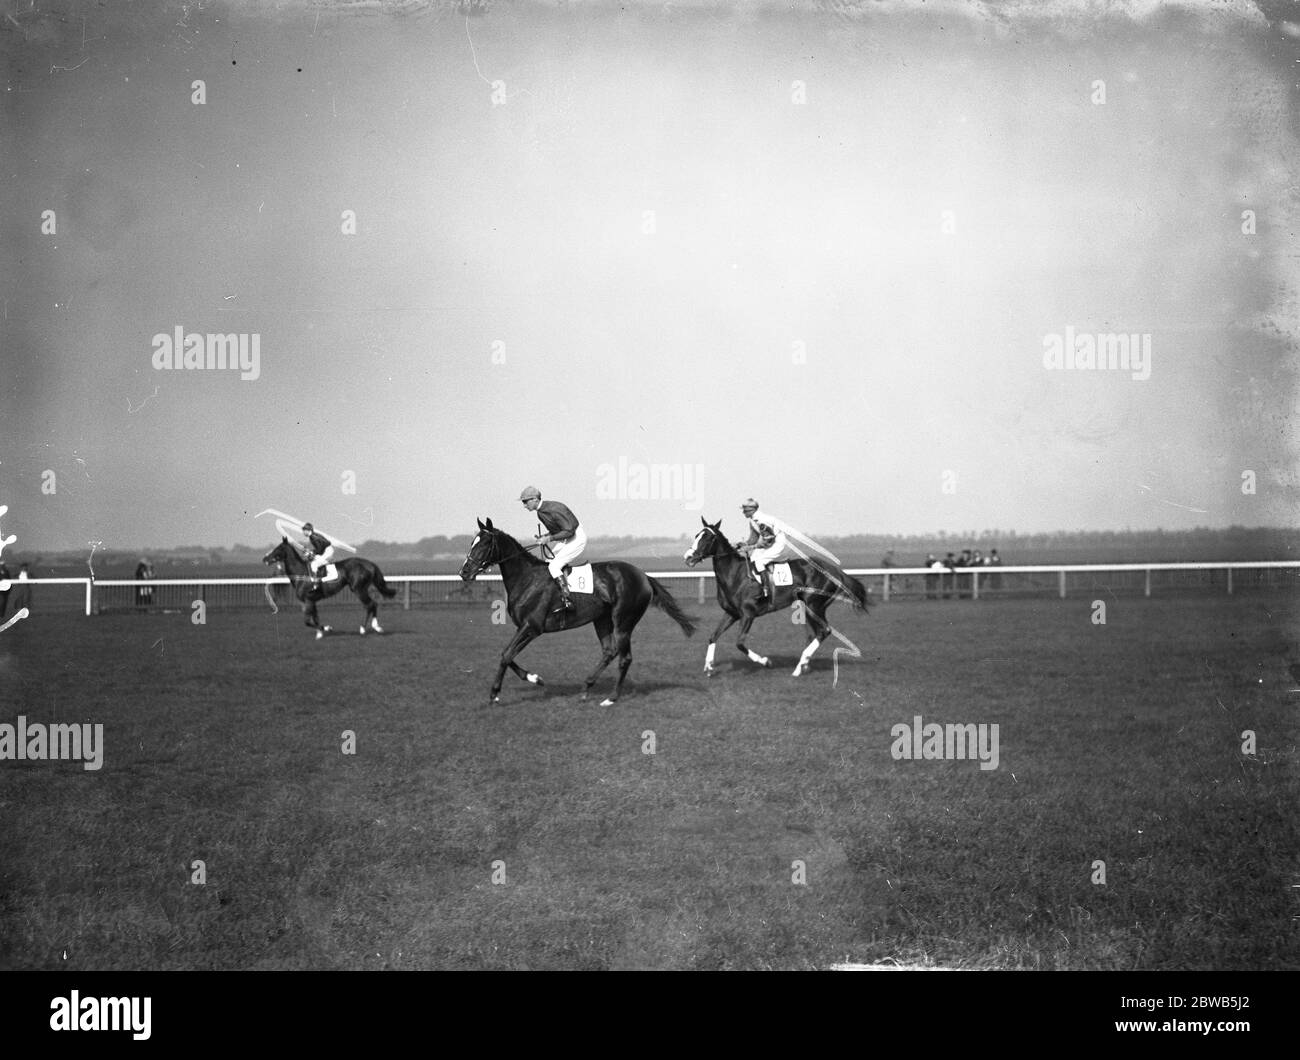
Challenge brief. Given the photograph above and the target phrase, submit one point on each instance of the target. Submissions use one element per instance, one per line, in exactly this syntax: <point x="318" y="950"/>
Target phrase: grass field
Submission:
<point x="1118" y="744"/>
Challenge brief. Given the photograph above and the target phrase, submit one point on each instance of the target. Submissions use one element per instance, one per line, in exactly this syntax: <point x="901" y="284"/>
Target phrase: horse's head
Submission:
<point x="279" y="554"/>
<point x="706" y="543"/>
<point x="483" y="552"/>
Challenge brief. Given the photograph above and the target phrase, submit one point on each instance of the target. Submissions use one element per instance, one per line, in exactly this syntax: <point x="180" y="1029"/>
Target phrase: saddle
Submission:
<point x="328" y="573"/>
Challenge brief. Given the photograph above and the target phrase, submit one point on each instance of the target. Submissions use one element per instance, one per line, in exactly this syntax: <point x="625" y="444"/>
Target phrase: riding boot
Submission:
<point x="762" y="582"/>
<point x="564" y="593"/>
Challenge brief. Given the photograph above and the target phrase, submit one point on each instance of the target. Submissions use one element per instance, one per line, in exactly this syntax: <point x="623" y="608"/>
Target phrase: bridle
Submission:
<point x="695" y="555"/>
<point x="491" y="556"/>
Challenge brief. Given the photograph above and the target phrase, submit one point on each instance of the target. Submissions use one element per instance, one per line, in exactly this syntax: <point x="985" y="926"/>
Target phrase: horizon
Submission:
<point x="1010" y="534"/>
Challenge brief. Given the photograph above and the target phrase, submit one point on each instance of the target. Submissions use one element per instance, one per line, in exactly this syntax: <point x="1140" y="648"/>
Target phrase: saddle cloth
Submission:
<point x="780" y="573"/>
<point x="579" y="579"/>
<point x="329" y="573"/>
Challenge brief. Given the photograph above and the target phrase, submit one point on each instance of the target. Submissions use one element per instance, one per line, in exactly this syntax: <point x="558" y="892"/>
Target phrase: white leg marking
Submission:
<point x="755" y="657"/>
<point x="533" y="679"/>
<point x="805" y="660"/>
<point x="708" y="658"/>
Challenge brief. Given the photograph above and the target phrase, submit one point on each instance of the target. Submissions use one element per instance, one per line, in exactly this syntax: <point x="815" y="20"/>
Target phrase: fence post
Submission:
<point x="1229" y="581"/>
<point x="406" y="596"/>
<point x="1062" y="579"/>
<point x="1147" y="589"/>
<point x="89" y="583"/>
<point x="701" y="588"/>
<point x="885" y="592"/>
<point x="975" y="584"/>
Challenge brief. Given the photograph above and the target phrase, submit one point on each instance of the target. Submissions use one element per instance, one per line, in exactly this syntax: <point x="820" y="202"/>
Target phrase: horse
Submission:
<point x="357" y="574"/>
<point x="740" y="599"/>
<point x="622" y="594"/>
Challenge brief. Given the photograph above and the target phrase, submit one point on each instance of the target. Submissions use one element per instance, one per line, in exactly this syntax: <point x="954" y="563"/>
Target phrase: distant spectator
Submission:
<point x="995" y="580"/>
<point x="932" y="580"/>
<point x="143" y="573"/>
<point x="949" y="563"/>
<point x="895" y="583"/>
<point x="21" y="593"/>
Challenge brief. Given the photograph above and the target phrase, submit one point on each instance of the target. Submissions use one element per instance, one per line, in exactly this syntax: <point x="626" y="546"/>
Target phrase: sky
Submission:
<point x="653" y="259"/>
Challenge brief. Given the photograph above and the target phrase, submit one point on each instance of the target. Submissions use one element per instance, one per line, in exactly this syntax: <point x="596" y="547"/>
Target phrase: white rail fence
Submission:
<point x="100" y="596"/>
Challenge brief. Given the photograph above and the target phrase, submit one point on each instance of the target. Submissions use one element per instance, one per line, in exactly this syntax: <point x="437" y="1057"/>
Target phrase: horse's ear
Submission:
<point x="717" y="524"/>
<point x="284" y="539"/>
<point x="703" y="521"/>
<point x="489" y="524"/>
<point x="480" y="525"/>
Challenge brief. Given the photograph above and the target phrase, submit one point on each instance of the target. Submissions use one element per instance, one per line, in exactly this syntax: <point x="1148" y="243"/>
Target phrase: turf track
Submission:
<point x="1118" y="743"/>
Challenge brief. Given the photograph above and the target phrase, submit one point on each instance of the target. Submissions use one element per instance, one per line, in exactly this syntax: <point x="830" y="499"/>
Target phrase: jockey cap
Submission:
<point x="529" y="493"/>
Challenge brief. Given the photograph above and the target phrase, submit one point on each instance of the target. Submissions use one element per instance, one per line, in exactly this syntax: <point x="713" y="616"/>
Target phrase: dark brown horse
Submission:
<point x="740" y="598"/>
<point x="356" y="574"/>
<point x="622" y="595"/>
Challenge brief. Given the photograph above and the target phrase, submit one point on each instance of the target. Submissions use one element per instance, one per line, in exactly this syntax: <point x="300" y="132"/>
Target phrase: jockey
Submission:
<point x="766" y="543"/>
<point x="320" y="551"/>
<point x="564" y="534"/>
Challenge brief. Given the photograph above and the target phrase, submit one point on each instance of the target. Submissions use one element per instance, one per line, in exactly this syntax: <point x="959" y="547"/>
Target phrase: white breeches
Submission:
<point x="317" y="562"/>
<point x="567" y="552"/>
<point x="761" y="557"/>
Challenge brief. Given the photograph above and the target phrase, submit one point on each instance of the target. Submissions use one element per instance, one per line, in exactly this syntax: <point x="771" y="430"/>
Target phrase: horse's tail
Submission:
<point x="861" y="602"/>
<point x="849" y="587"/>
<point x="383" y="586"/>
<point x="663" y="600"/>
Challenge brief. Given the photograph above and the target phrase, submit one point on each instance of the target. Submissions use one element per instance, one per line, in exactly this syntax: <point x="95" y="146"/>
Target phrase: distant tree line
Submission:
<point x="1202" y="544"/>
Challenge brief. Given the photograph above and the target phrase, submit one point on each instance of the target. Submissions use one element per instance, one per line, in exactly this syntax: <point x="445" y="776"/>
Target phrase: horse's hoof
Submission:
<point x="495" y="699"/>
<point x="533" y="679"/>
<point x="606" y="702"/>
<point x="709" y="671"/>
<point x="376" y="627"/>
<point x="319" y="635"/>
<point x="329" y="629"/>
<point x="363" y="631"/>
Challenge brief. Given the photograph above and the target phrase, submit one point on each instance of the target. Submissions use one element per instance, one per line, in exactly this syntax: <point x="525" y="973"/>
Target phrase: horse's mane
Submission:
<point x="535" y="560"/>
<point x="293" y="548"/>
<point x="725" y="547"/>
